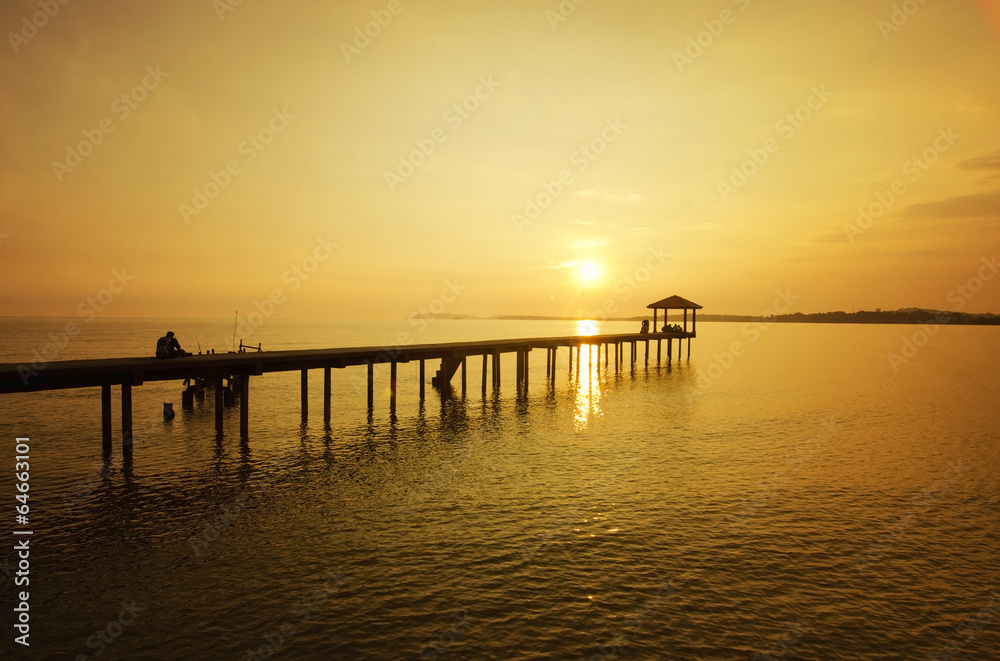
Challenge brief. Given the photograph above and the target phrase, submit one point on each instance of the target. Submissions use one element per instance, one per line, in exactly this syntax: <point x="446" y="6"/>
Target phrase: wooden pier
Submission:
<point x="452" y="357"/>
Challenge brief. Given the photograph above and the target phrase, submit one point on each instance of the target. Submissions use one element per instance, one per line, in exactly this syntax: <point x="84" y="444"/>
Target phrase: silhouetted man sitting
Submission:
<point x="168" y="347"/>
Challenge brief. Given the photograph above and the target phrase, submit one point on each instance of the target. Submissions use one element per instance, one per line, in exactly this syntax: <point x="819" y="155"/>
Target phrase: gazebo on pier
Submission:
<point x="677" y="303"/>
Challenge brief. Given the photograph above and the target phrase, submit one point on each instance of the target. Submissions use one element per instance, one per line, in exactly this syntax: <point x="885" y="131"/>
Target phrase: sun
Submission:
<point x="589" y="272"/>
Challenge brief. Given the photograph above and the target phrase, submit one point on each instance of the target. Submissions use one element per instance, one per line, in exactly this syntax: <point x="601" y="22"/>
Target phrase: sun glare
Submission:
<point x="589" y="272"/>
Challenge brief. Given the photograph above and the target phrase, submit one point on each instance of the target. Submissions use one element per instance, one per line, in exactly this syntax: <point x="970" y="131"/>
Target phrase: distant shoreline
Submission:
<point x="907" y="316"/>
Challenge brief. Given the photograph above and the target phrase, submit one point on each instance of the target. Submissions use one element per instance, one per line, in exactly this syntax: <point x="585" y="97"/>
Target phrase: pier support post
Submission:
<point x="519" y="373"/>
<point x="422" y="377"/>
<point x="570" y="361"/>
<point x="658" y="351"/>
<point x="647" y="351"/>
<point x="484" y="377"/>
<point x="670" y="350"/>
<point x="689" y="348"/>
<point x="527" y="352"/>
<point x="219" y="405"/>
<point x="496" y="369"/>
<point x="579" y="349"/>
<point x="392" y="387"/>
<point x="106" y="419"/>
<point x="464" y="371"/>
<point x="327" y="388"/>
<point x="371" y="386"/>
<point x="305" y="395"/>
<point x="127" y="419"/>
<point x="245" y="406"/>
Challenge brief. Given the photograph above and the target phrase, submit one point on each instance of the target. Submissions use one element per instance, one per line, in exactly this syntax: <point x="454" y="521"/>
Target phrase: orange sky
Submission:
<point x="348" y="175"/>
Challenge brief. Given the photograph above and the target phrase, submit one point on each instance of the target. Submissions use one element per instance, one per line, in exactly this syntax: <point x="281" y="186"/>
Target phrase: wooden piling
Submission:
<point x="658" y="351"/>
<point x="371" y="386"/>
<point x="526" y="354"/>
<point x="484" y="377"/>
<point x="464" y="369"/>
<point x="106" y="419"/>
<point x="422" y="379"/>
<point x="327" y="388"/>
<point x="392" y="387"/>
<point x="305" y="395"/>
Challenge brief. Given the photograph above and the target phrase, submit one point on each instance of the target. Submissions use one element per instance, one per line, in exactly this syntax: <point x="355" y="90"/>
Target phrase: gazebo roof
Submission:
<point x="674" y="302"/>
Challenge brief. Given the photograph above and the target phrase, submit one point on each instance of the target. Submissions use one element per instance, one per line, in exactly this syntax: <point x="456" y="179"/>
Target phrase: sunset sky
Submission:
<point x="610" y="116"/>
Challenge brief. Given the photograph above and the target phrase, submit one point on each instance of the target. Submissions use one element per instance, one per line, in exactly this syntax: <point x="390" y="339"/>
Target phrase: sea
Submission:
<point x="789" y="491"/>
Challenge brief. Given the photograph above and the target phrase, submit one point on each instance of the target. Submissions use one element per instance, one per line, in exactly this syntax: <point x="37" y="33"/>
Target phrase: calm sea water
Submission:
<point x="799" y="500"/>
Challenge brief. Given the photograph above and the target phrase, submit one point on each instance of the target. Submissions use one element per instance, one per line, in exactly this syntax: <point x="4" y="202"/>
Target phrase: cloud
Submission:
<point x="981" y="205"/>
<point x="990" y="163"/>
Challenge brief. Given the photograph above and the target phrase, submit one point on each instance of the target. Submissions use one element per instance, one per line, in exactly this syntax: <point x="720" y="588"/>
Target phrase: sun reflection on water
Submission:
<point x="587" y="327"/>
<point x="587" y="404"/>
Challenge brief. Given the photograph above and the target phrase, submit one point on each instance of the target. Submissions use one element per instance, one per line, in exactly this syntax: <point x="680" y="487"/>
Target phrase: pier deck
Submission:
<point x="129" y="372"/>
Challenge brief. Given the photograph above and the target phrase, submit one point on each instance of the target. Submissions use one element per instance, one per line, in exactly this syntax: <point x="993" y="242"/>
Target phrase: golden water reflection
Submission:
<point x="588" y="387"/>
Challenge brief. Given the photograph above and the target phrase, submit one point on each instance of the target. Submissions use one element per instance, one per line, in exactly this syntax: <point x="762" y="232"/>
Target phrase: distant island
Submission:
<point x="878" y="316"/>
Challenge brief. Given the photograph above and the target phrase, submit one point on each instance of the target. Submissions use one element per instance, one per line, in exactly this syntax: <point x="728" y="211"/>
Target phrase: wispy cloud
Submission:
<point x="990" y="163"/>
<point x="981" y="205"/>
